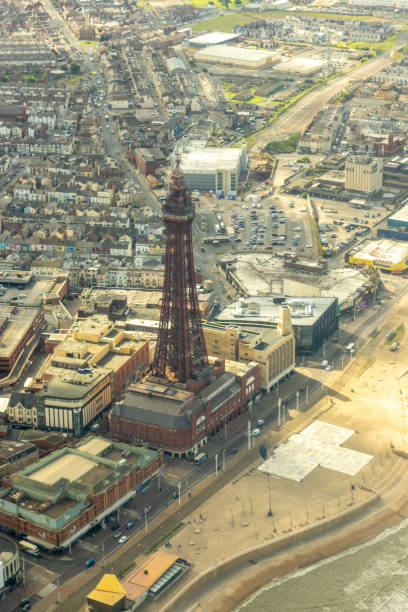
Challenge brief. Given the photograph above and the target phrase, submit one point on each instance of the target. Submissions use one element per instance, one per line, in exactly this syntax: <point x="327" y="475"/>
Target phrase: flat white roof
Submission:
<point x="212" y="38"/>
<point x="69" y="466"/>
<point x="236" y="53"/>
<point x="384" y="250"/>
<point x="207" y="160"/>
<point x="95" y="446"/>
<point x="301" y="64"/>
<point x="401" y="214"/>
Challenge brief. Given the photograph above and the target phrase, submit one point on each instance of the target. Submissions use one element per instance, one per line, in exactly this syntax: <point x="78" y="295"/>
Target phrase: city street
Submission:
<point x="301" y="114"/>
<point x="275" y="222"/>
<point x="297" y="394"/>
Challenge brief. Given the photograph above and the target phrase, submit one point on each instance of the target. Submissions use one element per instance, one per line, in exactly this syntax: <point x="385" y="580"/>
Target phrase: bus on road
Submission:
<point x="29" y="548"/>
<point x="200" y="458"/>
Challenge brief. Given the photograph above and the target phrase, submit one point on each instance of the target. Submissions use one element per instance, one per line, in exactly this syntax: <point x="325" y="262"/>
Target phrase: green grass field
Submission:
<point x="284" y="146"/>
<point x="377" y="47"/>
<point x="225" y="23"/>
<point x="31" y="76"/>
<point x="70" y="79"/>
<point x="217" y="3"/>
<point x="255" y="100"/>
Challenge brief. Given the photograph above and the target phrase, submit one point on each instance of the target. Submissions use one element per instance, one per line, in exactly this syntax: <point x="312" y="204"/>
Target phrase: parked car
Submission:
<point x="256" y="432"/>
<point x="123" y="539"/>
<point x="260" y="422"/>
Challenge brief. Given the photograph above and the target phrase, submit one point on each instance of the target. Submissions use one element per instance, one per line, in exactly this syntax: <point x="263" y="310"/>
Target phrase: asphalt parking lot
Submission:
<point x="273" y="223"/>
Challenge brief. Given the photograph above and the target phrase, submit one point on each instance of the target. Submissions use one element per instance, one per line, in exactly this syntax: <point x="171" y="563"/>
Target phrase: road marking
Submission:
<point x="47" y="590"/>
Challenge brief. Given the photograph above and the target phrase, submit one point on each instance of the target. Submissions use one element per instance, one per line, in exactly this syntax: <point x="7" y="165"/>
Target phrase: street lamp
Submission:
<point x="264" y="454"/>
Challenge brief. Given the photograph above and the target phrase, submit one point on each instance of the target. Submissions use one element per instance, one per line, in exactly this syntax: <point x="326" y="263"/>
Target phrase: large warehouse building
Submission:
<point x="399" y="219"/>
<point x="213" y="169"/>
<point x="396" y="226"/>
<point x="386" y="255"/>
<point x="302" y="66"/>
<point x="212" y="38"/>
<point x="237" y="56"/>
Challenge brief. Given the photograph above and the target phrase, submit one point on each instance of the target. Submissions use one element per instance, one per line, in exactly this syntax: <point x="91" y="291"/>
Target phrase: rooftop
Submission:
<point x="388" y="251"/>
<point x="14" y="324"/>
<point x="306" y="65"/>
<point x="64" y="479"/>
<point x="159" y="404"/>
<point x="243" y="54"/>
<point x="70" y="385"/>
<point x="400" y="215"/>
<point x="212" y="38"/>
<point x="304" y="311"/>
<point x="264" y="275"/>
<point x="209" y="159"/>
<point x="147" y="574"/>
<point x="108" y="591"/>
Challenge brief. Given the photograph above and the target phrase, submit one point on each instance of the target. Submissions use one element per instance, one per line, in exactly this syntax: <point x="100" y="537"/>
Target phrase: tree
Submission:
<point x="75" y="68"/>
<point x="64" y="67"/>
<point x="237" y="2"/>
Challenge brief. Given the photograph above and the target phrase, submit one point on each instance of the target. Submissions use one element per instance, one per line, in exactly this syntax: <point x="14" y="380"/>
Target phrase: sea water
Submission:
<point x="370" y="577"/>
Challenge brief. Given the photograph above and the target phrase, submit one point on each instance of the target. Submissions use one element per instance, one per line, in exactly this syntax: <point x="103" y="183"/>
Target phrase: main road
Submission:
<point x="296" y="119"/>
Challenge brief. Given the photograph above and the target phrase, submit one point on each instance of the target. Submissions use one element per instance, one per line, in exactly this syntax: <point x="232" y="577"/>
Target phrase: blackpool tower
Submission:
<point x="180" y="351"/>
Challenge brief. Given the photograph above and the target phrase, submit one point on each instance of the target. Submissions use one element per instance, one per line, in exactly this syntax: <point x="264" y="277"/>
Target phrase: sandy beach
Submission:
<point x="236" y="548"/>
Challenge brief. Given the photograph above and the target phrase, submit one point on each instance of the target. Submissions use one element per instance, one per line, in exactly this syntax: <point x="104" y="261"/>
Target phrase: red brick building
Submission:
<point x="180" y="420"/>
<point x="145" y="162"/>
<point x="17" y="328"/>
<point x="57" y="290"/>
<point x="68" y="502"/>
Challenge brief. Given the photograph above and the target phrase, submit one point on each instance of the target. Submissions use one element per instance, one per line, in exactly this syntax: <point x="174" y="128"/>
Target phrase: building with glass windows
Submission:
<point x="314" y="319"/>
<point x="213" y="169"/>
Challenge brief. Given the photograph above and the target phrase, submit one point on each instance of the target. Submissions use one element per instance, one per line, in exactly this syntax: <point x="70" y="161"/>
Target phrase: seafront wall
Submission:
<point x="276" y="545"/>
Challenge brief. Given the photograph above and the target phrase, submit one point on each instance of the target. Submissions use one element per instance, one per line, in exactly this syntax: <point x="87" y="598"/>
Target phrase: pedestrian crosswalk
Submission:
<point x="47" y="590"/>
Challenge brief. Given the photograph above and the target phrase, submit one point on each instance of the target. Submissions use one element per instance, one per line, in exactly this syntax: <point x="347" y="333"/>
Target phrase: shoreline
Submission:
<point x="225" y="589"/>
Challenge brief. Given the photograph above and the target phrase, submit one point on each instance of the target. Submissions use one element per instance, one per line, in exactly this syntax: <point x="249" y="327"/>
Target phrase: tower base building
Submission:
<point x="178" y="419"/>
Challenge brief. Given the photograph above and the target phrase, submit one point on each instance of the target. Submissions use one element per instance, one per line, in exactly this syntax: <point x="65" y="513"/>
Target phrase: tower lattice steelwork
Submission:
<point x="180" y="351"/>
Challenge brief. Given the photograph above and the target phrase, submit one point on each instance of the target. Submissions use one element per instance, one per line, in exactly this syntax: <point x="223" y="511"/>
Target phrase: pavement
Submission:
<point x="355" y="401"/>
<point x="353" y="398"/>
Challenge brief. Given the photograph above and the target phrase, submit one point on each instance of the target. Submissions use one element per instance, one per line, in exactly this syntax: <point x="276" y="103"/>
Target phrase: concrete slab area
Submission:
<point x="318" y="445"/>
